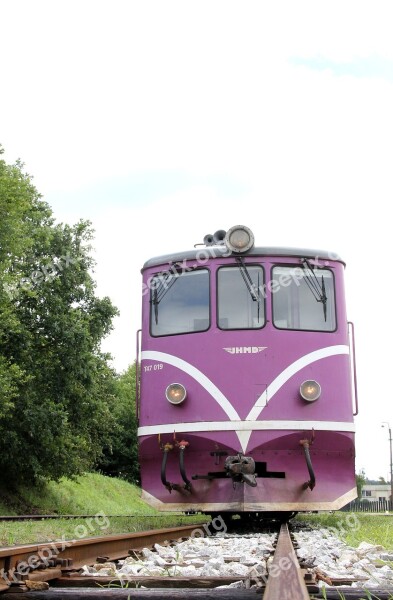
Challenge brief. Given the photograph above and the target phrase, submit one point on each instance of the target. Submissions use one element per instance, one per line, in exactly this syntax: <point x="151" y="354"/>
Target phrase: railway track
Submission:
<point x="51" y="571"/>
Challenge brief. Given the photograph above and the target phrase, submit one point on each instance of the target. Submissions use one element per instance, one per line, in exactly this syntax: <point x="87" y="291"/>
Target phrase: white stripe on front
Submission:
<point x="197" y="375"/>
<point x="249" y="426"/>
<point x="245" y="429"/>
<point x="283" y="377"/>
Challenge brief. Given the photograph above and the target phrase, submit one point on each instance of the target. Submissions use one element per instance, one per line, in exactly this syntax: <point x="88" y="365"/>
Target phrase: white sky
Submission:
<point x="163" y="121"/>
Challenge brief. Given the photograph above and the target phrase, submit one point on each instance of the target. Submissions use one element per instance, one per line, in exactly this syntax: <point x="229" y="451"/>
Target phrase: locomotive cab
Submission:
<point x="246" y="379"/>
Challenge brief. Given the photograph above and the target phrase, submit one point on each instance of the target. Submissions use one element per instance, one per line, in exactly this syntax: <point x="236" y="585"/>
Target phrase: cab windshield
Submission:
<point x="240" y="303"/>
<point x="179" y="302"/>
<point x="302" y="300"/>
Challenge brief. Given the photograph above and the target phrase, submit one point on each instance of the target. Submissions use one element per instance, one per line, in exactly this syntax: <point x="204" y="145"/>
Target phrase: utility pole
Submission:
<point x="391" y="463"/>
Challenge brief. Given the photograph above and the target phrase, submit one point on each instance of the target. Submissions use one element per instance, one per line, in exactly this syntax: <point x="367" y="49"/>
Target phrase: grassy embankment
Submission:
<point x="92" y="494"/>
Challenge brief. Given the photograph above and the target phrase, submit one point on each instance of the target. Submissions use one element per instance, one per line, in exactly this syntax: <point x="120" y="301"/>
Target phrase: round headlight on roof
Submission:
<point x="239" y="239"/>
<point x="310" y="390"/>
<point x="175" y="393"/>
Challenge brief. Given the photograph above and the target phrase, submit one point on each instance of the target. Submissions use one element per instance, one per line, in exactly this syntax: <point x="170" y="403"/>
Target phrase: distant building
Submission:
<point x="376" y="491"/>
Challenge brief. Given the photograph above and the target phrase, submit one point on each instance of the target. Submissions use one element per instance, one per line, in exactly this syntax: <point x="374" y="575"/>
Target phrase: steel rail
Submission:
<point x="286" y="580"/>
<point x="24" y="562"/>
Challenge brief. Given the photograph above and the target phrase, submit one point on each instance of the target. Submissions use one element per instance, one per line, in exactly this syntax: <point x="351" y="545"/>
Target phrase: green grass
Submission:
<point x="354" y="528"/>
<point x="30" y="532"/>
<point x="92" y="494"/>
<point x="86" y="495"/>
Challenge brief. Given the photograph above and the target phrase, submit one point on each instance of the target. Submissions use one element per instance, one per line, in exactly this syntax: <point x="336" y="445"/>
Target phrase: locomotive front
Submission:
<point x="246" y="382"/>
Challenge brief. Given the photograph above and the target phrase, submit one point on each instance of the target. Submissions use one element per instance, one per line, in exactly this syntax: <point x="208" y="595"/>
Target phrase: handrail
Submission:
<point x="353" y="358"/>
<point x="137" y="379"/>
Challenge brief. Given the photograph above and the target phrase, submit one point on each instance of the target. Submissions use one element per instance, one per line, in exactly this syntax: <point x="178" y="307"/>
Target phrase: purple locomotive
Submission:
<point x="247" y="383"/>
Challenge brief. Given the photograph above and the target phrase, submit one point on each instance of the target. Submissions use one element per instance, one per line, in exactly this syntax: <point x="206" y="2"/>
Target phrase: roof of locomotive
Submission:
<point x="221" y="250"/>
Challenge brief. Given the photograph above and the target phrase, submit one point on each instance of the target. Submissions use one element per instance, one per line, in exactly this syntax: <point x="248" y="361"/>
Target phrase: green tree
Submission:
<point x="120" y="457"/>
<point x="56" y="388"/>
<point x="16" y="196"/>
<point x="361" y="479"/>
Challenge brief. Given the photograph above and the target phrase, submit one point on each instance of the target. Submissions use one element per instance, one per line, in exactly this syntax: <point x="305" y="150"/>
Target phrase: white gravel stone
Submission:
<point x="235" y="584"/>
<point x="348" y="557"/>
<point x="87" y="570"/>
<point x="105" y="573"/>
<point x="130" y="569"/>
<point x="365" y="548"/>
<point x="386" y="556"/>
<point x="386" y="571"/>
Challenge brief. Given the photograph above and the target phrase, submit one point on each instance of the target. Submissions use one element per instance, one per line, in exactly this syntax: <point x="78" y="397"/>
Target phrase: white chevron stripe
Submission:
<point x="283" y="377"/>
<point x="245" y="428"/>
<point x="244" y="438"/>
<point x="197" y="375"/>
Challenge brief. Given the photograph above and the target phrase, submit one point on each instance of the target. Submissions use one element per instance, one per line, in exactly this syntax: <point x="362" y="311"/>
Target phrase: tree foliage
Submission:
<point x="120" y="457"/>
<point x="361" y="479"/>
<point x="56" y="388"/>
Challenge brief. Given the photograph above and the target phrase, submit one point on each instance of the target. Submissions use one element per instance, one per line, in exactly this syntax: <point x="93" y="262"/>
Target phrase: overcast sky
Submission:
<point x="163" y="121"/>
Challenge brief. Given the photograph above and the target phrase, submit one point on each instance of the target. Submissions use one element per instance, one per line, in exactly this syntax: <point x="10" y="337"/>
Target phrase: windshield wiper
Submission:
<point x="317" y="289"/>
<point x="256" y="297"/>
<point x="168" y="278"/>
